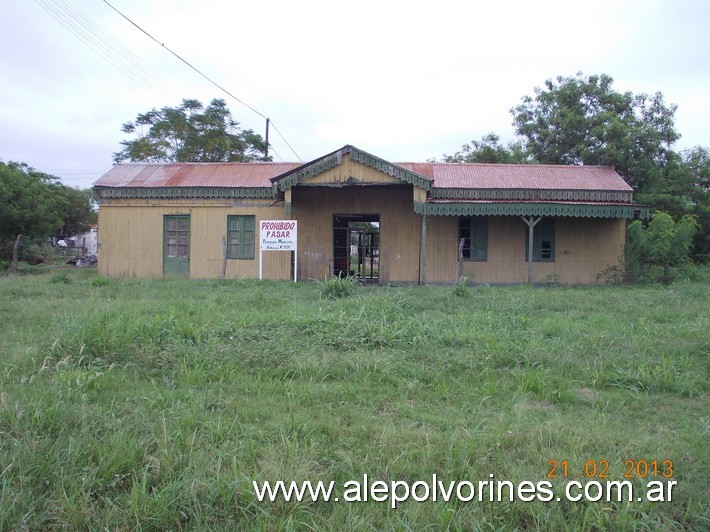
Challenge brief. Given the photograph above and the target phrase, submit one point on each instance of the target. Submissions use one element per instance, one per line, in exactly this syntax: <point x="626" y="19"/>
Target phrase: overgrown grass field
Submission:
<point x="155" y="404"/>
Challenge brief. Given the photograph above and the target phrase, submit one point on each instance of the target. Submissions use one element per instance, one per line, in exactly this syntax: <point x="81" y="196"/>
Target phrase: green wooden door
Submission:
<point x="176" y="246"/>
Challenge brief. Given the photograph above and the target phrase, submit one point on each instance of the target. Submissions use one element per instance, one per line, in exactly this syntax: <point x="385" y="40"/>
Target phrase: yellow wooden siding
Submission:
<point x="583" y="248"/>
<point x="419" y="195"/>
<point x="131" y="238"/>
<point x="348" y="169"/>
<point x="400" y="228"/>
<point x="586" y="246"/>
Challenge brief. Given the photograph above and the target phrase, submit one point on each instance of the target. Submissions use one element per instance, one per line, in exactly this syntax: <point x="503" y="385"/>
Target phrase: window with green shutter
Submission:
<point x="240" y="237"/>
<point x="543" y="241"/>
<point x="474" y="232"/>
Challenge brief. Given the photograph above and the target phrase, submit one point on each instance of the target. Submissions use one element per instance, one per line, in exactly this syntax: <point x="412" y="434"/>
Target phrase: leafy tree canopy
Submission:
<point x="37" y="206"/>
<point x="583" y="120"/>
<point x="190" y="132"/>
<point x="489" y="150"/>
<point x="661" y="243"/>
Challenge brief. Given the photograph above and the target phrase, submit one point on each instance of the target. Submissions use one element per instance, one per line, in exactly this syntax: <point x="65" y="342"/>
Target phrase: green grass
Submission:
<point x="155" y="404"/>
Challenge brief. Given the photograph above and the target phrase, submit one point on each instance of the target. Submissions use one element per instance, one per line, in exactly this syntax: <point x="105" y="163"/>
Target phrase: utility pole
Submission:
<point x="266" y="149"/>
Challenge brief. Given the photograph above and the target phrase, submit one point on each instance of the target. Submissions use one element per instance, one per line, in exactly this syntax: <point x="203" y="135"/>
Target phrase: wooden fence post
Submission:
<point x="13" y="268"/>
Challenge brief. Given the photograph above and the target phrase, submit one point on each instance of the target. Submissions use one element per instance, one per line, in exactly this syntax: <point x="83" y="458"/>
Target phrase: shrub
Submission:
<point x="60" y="277"/>
<point x="338" y="287"/>
<point x="99" y="281"/>
<point x="461" y="289"/>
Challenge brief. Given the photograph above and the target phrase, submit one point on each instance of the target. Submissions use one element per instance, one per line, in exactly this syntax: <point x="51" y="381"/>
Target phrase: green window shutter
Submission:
<point x="543" y="241"/>
<point x="240" y="237"/>
<point x="479" y="238"/>
<point x="247" y="237"/>
<point x="474" y="232"/>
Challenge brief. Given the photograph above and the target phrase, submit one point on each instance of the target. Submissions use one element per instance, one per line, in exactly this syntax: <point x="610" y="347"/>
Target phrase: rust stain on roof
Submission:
<point x="520" y="176"/>
<point x="444" y="175"/>
<point x="227" y="175"/>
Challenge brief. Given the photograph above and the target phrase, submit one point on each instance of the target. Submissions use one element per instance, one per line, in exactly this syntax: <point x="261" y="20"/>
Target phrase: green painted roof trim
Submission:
<point x="531" y="194"/>
<point x="390" y="169"/>
<point x="532" y="209"/>
<point x="185" y="192"/>
<point x="310" y="170"/>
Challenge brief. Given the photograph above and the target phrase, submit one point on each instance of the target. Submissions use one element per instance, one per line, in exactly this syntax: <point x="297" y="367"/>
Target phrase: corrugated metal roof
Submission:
<point x="444" y="175"/>
<point x="520" y="176"/>
<point x="227" y="175"/>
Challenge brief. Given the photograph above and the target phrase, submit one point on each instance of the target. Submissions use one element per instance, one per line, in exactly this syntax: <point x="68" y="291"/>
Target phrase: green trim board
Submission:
<point x="312" y="169"/>
<point x="532" y="209"/>
<point x="390" y="169"/>
<point x="325" y="163"/>
<point x="531" y="194"/>
<point x="184" y="192"/>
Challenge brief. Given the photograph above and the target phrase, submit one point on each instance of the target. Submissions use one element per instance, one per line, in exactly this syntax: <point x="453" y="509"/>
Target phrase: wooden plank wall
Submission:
<point x="131" y="238"/>
<point x="583" y="248"/>
<point x="400" y="227"/>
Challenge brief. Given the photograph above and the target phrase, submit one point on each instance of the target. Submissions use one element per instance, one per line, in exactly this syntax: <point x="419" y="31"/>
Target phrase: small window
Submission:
<point x="543" y="241"/>
<point x="474" y="233"/>
<point x="240" y="237"/>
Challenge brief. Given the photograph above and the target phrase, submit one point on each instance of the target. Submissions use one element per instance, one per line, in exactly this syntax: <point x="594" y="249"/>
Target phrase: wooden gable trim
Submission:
<point x="314" y="168"/>
<point x="391" y="169"/>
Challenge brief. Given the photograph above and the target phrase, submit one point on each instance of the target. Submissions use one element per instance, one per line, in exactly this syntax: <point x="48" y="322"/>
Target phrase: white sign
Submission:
<point x="278" y="235"/>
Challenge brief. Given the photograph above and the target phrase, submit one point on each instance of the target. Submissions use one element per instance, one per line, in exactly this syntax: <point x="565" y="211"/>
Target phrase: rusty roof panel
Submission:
<point x="444" y="175"/>
<point x="520" y="176"/>
<point x="227" y="175"/>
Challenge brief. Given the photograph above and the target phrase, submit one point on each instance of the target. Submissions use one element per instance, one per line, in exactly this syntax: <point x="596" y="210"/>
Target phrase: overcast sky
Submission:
<point x="404" y="80"/>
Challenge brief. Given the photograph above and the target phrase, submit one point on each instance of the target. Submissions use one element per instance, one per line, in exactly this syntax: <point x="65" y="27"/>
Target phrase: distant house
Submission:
<point x="87" y="242"/>
<point x="358" y="214"/>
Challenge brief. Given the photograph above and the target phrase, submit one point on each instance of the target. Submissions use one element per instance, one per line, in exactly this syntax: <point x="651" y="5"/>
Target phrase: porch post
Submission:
<point x="530" y="222"/>
<point x="422" y="254"/>
<point x="287" y="202"/>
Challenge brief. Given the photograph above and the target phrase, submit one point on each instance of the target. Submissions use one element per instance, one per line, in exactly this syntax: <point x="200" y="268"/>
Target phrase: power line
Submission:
<point x="220" y="87"/>
<point x="111" y="50"/>
<point x="284" y="139"/>
<point x="105" y="46"/>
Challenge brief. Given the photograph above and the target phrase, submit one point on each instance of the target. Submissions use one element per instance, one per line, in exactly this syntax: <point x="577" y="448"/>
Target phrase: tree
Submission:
<point x="29" y="202"/>
<point x="583" y="120"/>
<point x="77" y="211"/>
<point x="36" y="205"/>
<point x="662" y="243"/>
<point x="190" y="132"/>
<point x="580" y="120"/>
<point x="489" y="150"/>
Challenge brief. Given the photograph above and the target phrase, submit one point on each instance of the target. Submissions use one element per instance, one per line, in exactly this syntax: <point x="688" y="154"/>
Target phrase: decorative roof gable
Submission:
<point x="327" y="162"/>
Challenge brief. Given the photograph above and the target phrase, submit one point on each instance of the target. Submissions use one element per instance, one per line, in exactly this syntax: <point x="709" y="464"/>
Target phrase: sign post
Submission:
<point x="278" y="235"/>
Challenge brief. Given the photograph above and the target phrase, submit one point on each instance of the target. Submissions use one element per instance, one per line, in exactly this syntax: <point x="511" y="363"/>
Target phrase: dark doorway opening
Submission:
<point x="356" y="246"/>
